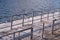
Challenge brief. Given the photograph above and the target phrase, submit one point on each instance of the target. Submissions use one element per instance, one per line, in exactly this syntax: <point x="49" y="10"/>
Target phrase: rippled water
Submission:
<point x="12" y="7"/>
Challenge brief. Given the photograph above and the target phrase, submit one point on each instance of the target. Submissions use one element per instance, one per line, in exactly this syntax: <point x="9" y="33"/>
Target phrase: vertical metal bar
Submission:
<point x="41" y="16"/>
<point x="23" y="20"/>
<point x="48" y="16"/>
<point x="19" y="36"/>
<point x="59" y="13"/>
<point x="43" y="31"/>
<point x="1" y="38"/>
<point x="13" y="36"/>
<point x="31" y="33"/>
<point x="53" y="27"/>
<point x="11" y="22"/>
<point x="53" y="15"/>
<point x="32" y="18"/>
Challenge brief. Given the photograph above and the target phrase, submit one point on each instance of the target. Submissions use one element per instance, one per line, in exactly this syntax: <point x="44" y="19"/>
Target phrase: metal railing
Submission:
<point x="54" y="24"/>
<point x="23" y="17"/>
<point x="11" y="18"/>
<point x="19" y="37"/>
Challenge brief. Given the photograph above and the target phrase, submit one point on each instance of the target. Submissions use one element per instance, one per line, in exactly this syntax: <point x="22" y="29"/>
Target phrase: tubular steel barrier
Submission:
<point x="19" y="37"/>
<point x="54" y="24"/>
<point x="23" y="15"/>
<point x="43" y="31"/>
<point x="11" y="20"/>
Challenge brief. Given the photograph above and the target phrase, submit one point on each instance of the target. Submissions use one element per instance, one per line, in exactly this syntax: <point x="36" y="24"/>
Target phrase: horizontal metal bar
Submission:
<point x="17" y="31"/>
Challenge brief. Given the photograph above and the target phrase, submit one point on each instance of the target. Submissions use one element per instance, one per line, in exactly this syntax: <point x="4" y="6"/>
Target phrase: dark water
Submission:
<point x="13" y="7"/>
